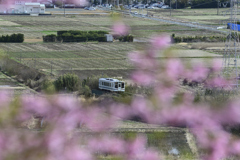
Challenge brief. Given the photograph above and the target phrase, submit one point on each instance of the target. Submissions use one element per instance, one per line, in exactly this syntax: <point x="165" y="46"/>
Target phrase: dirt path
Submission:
<point x="33" y="40"/>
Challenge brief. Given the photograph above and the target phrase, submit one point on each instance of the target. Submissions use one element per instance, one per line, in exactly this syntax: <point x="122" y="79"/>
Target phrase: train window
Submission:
<point x="116" y="85"/>
<point x="106" y="84"/>
<point x="122" y="85"/>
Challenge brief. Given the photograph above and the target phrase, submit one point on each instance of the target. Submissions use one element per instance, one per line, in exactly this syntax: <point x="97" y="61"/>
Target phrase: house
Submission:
<point x="22" y="7"/>
<point x="34" y="8"/>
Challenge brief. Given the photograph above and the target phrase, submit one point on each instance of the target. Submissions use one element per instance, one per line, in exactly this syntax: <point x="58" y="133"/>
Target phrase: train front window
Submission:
<point x="122" y="85"/>
<point x="116" y="85"/>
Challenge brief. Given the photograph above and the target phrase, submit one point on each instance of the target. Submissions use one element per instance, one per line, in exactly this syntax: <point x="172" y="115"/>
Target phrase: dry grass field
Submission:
<point x="86" y="59"/>
<point x="89" y="59"/>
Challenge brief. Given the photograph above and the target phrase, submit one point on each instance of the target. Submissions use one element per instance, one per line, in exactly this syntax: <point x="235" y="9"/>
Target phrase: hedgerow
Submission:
<point x="14" y="38"/>
<point x="76" y="36"/>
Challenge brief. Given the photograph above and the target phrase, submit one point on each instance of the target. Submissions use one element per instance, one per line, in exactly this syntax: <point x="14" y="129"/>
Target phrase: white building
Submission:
<point x="34" y="8"/>
<point x="23" y="7"/>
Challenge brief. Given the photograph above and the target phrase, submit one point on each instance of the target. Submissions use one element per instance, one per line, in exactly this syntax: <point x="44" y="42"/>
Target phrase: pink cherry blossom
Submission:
<point x="107" y="144"/>
<point x="174" y="68"/>
<point x="119" y="28"/>
<point x="143" y="61"/>
<point x="37" y="105"/>
<point x="143" y="78"/>
<point x="160" y="42"/>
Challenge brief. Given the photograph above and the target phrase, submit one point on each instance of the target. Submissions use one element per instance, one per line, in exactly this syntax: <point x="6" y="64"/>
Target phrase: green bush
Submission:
<point x="78" y="36"/>
<point x="93" y="81"/>
<point x="68" y="81"/>
<point x="50" y="38"/>
<point x="59" y="33"/>
<point x="102" y="39"/>
<point x="14" y="38"/>
<point x="86" y="91"/>
<point x="102" y="32"/>
<point x="48" y="86"/>
<point x="198" y="38"/>
<point x="127" y="38"/>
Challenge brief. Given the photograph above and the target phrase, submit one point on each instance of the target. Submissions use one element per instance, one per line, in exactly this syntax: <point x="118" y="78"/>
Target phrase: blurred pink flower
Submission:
<point x="199" y="72"/>
<point x="218" y="145"/>
<point x="137" y="147"/>
<point x="230" y="114"/>
<point x="5" y="97"/>
<point x="143" y="78"/>
<point x="150" y="154"/>
<point x="67" y="103"/>
<point x="121" y="111"/>
<point x="78" y="2"/>
<point x="119" y="28"/>
<point x="160" y="42"/>
<point x="218" y="82"/>
<point x="56" y="142"/>
<point x="217" y="65"/>
<point x="97" y="121"/>
<point x="143" y="61"/>
<point x="107" y="144"/>
<point x="36" y="105"/>
<point x="143" y="108"/>
<point x="74" y="152"/>
<point x="165" y="94"/>
<point x="174" y="68"/>
<point x="235" y="147"/>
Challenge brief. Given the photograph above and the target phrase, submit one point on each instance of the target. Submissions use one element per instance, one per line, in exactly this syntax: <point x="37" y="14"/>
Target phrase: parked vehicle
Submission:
<point x="165" y="7"/>
<point x="151" y="7"/>
<point x="91" y="9"/>
<point x="160" y="5"/>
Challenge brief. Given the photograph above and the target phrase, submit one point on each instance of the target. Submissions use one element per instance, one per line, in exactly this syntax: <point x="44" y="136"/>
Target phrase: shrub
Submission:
<point x="14" y="38"/>
<point x="50" y="38"/>
<point x="67" y="81"/>
<point x="48" y="86"/>
<point x="198" y="38"/>
<point x="59" y="33"/>
<point x="93" y="81"/>
<point x="127" y="38"/>
<point x="102" y="39"/>
<point x="86" y="91"/>
<point x="102" y="32"/>
<point x="20" y="38"/>
<point x="76" y="36"/>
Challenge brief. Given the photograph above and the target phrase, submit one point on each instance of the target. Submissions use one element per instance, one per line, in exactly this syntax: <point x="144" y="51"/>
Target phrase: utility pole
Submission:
<point x="170" y="8"/>
<point x="35" y="61"/>
<point x="176" y="4"/>
<point x="51" y="67"/>
<point x="64" y="8"/>
<point x="218" y="8"/>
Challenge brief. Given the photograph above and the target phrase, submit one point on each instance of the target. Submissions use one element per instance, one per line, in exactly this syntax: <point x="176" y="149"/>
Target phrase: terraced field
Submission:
<point x="14" y="88"/>
<point x="36" y="27"/>
<point x="86" y="59"/>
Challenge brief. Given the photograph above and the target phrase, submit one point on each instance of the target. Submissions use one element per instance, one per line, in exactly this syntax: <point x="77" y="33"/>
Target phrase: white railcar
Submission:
<point x="111" y="84"/>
